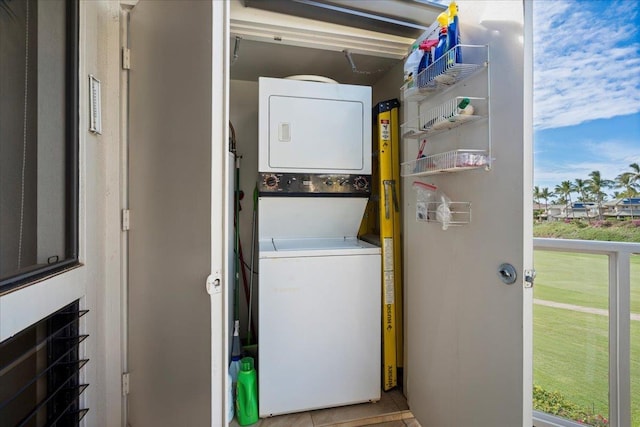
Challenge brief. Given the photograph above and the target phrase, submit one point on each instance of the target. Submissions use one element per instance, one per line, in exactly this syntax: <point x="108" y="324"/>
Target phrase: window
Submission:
<point x="38" y="139"/>
<point x="40" y="378"/>
<point x="571" y="336"/>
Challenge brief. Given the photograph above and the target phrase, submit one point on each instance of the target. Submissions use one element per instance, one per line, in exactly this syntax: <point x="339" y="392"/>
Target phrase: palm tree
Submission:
<point x="536" y="197"/>
<point x="629" y="181"/>
<point x="624" y="182"/>
<point x="635" y="173"/>
<point x="545" y="194"/>
<point x="596" y="185"/>
<point x="564" y="190"/>
<point x="581" y="187"/>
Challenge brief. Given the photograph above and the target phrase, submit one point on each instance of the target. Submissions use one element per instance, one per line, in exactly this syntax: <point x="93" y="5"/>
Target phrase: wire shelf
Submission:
<point x="450" y="161"/>
<point x="446" y="116"/>
<point x="447" y="71"/>
<point x="457" y="213"/>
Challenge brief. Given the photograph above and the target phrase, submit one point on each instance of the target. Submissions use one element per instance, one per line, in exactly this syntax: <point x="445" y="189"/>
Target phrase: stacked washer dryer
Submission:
<point x="319" y="289"/>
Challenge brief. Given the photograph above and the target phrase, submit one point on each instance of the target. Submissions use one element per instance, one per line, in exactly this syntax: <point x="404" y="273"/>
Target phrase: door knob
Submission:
<point x="507" y="273"/>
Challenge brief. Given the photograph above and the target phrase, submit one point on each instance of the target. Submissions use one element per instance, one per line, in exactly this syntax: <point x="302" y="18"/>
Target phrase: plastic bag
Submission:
<point x="428" y="196"/>
<point x="411" y="67"/>
<point x="443" y="212"/>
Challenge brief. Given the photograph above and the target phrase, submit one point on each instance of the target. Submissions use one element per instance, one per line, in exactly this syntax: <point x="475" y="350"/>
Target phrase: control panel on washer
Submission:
<point x="301" y="184"/>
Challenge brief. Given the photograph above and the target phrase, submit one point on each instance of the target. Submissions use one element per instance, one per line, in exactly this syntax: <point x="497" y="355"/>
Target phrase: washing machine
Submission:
<point x="319" y="285"/>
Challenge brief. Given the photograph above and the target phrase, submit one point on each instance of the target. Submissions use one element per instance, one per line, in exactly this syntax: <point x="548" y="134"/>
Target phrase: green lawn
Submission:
<point x="571" y="348"/>
<point x="570" y="355"/>
<point x="580" y="279"/>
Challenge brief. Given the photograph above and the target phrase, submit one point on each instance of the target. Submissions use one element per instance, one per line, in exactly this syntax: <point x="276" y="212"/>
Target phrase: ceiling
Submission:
<point x="404" y="18"/>
<point x="279" y="38"/>
<point x="257" y="59"/>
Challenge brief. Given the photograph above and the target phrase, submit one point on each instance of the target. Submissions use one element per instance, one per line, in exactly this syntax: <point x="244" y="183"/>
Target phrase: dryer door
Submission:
<point x="314" y="127"/>
<point x="315" y="133"/>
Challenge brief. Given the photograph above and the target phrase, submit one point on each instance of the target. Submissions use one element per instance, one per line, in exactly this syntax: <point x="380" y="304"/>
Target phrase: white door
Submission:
<point x="468" y="334"/>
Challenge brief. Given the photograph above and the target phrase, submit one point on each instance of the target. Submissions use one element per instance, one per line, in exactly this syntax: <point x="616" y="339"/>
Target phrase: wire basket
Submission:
<point x="458" y="63"/>
<point x="450" y="161"/>
<point x="459" y="213"/>
<point x="452" y="113"/>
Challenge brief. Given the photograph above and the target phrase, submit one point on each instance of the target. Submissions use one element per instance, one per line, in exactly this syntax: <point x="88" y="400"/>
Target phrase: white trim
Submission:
<point x="23" y="308"/>
<point x="619" y="339"/>
<point x="541" y="419"/>
<point x="527" y="140"/>
<point x="587" y="246"/>
<point x="271" y="27"/>
<point x="219" y="218"/>
<point x="126" y="7"/>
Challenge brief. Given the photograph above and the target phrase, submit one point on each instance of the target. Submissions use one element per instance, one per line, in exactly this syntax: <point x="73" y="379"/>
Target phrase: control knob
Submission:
<point x="360" y="183"/>
<point x="271" y="181"/>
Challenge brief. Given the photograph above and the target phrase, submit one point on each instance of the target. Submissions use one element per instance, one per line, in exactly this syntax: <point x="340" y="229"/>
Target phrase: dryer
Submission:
<point x="319" y="289"/>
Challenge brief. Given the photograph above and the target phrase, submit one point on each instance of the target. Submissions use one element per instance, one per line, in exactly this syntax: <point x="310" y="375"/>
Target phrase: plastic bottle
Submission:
<point x="441" y="48"/>
<point x="411" y="66"/>
<point x="464" y="102"/>
<point x="454" y="30"/>
<point x="247" y="393"/>
<point x="443" y="18"/>
<point x="236" y="352"/>
<point x="230" y="402"/>
<point x="427" y="58"/>
<point x="234" y="366"/>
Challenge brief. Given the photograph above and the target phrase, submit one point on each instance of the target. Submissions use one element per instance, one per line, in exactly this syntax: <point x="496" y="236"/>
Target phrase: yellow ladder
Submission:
<point x="388" y="183"/>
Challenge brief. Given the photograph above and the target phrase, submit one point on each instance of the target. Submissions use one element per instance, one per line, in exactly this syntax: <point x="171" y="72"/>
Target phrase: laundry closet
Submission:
<point x="466" y="326"/>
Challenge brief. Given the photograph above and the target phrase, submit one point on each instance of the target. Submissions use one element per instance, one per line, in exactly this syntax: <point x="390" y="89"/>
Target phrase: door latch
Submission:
<point x="213" y="285"/>
<point x="529" y="277"/>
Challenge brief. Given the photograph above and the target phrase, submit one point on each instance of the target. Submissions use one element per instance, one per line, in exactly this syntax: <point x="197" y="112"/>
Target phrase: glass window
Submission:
<point x="38" y="138"/>
<point x="571" y="336"/>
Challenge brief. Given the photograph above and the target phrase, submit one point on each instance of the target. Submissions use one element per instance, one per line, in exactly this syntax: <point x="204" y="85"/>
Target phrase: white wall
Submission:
<point x="96" y="281"/>
<point x="388" y="86"/>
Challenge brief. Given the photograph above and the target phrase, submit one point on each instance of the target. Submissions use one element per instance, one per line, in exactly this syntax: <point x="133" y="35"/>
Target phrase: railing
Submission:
<point x="619" y="256"/>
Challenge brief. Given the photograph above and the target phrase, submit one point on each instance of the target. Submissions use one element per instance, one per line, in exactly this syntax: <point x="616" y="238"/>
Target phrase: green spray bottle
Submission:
<point x="247" y="393"/>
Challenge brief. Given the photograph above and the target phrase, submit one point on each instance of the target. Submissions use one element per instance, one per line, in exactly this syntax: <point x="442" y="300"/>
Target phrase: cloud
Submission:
<point x="615" y="151"/>
<point x="587" y="62"/>
<point x="609" y="157"/>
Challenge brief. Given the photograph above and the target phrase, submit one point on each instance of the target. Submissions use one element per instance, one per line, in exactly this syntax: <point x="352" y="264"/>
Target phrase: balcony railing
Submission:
<point x="619" y="332"/>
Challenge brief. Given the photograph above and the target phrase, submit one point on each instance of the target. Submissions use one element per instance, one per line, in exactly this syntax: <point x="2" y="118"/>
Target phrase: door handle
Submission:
<point x="507" y="273"/>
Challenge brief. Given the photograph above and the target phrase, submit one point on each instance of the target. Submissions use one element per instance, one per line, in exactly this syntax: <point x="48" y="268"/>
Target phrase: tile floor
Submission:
<point x="390" y="411"/>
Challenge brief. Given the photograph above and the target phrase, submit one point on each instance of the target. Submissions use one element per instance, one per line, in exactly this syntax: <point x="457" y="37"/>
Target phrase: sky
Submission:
<point x="586" y="89"/>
